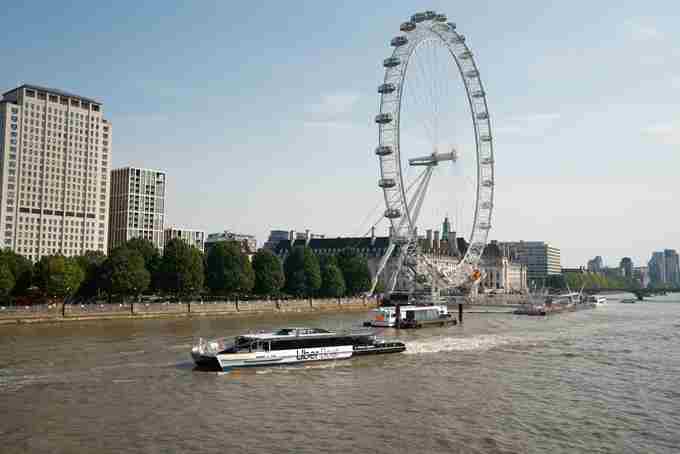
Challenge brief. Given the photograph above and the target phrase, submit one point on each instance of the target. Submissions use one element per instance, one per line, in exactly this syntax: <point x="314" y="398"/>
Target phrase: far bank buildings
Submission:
<point x="501" y="270"/>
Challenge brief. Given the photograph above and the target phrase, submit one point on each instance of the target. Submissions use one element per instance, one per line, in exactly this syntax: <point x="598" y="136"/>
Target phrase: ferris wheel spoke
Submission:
<point x="425" y="100"/>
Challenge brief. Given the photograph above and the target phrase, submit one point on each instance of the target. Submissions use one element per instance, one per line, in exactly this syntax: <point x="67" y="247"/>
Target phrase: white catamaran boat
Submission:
<point x="288" y="346"/>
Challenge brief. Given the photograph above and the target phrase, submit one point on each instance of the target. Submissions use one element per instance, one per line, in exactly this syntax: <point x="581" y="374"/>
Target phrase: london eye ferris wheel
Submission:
<point x="429" y="65"/>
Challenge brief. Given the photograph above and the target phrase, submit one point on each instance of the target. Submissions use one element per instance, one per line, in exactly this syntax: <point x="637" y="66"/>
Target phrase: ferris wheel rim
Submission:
<point x="446" y="35"/>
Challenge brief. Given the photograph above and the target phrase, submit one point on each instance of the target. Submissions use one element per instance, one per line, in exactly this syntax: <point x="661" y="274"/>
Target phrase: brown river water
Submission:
<point x="600" y="381"/>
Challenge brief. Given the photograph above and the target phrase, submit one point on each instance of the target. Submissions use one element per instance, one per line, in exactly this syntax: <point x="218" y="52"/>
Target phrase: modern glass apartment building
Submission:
<point x="190" y="236"/>
<point x="137" y="206"/>
<point x="55" y="159"/>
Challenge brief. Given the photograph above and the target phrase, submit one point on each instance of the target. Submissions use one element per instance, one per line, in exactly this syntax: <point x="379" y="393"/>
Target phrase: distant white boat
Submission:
<point x="597" y="300"/>
<point x="629" y="300"/>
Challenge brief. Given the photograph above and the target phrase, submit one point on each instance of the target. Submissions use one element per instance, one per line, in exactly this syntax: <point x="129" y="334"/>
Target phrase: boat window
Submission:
<point x="244" y="343"/>
<point x="284" y="332"/>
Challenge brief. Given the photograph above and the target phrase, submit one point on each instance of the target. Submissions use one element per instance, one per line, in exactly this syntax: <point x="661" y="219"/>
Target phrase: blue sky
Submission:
<point x="261" y="112"/>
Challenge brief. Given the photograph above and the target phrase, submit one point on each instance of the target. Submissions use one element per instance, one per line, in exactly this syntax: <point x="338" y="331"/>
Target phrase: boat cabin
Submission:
<point x="294" y="339"/>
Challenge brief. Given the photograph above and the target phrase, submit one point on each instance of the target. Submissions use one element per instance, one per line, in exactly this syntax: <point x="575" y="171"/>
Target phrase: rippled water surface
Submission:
<point x="606" y="380"/>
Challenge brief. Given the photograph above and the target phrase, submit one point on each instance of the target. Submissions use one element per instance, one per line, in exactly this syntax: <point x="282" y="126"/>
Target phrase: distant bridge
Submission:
<point x="640" y="293"/>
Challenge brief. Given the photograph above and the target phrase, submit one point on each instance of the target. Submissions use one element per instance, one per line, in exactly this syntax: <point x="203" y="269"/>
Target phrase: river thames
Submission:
<point x="606" y="380"/>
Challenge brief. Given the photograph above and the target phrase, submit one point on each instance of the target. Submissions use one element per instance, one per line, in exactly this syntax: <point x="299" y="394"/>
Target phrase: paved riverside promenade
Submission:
<point x="76" y="312"/>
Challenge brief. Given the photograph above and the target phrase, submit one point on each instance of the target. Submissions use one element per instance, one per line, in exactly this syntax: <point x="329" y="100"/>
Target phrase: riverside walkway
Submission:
<point x="61" y="312"/>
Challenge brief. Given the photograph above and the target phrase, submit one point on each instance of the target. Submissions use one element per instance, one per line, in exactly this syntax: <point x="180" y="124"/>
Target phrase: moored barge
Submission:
<point x="411" y="316"/>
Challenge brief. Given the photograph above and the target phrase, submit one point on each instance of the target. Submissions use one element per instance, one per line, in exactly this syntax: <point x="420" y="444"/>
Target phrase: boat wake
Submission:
<point x="481" y="342"/>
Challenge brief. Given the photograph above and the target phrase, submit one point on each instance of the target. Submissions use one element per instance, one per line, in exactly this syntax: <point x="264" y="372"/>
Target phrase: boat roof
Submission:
<point x="292" y="332"/>
<point x="411" y="307"/>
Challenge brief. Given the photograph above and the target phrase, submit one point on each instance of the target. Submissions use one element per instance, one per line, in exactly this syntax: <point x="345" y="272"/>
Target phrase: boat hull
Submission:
<point x="380" y="349"/>
<point x="237" y="361"/>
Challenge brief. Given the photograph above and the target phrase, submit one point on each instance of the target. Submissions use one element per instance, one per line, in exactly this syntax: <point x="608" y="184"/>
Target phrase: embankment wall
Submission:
<point x="75" y="312"/>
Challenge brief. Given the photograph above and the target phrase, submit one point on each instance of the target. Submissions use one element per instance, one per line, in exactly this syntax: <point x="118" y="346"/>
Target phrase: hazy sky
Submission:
<point x="262" y="112"/>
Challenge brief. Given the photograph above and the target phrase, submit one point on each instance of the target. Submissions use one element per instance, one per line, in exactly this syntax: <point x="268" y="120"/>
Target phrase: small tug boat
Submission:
<point x="288" y="346"/>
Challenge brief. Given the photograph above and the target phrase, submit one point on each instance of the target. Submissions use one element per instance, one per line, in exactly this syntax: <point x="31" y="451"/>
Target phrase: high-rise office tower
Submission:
<point x="541" y="259"/>
<point x="672" y="263"/>
<point x="55" y="159"/>
<point x="137" y="206"/>
<point x="657" y="268"/>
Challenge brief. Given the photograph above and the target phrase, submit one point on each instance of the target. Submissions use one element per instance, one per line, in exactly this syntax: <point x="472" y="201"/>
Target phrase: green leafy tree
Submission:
<point x="228" y="269"/>
<point x="21" y="269"/>
<point x="269" y="278"/>
<point x="302" y="271"/>
<point x="152" y="259"/>
<point x="181" y="270"/>
<point x="296" y="283"/>
<point x="196" y="269"/>
<point x="6" y="280"/>
<point x="332" y="282"/>
<point x="91" y="263"/>
<point x="556" y="281"/>
<point x="58" y="276"/>
<point x="124" y="273"/>
<point x="355" y="270"/>
<point x="248" y="276"/>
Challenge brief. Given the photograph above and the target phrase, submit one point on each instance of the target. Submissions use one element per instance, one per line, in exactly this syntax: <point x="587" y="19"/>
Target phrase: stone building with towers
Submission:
<point x="443" y="248"/>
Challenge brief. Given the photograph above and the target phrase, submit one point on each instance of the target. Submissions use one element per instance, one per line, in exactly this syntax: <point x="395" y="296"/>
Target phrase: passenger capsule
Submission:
<point x="458" y="39"/>
<point x="440" y="18"/>
<point x="387" y="183"/>
<point x="383" y="118"/>
<point x="487" y="183"/>
<point x="452" y="26"/>
<point x="486" y="205"/>
<point x="386" y="88"/>
<point x="383" y="150"/>
<point x="418" y="18"/>
<point x="484" y="226"/>
<point x="398" y="41"/>
<point x="392" y="213"/>
<point x="482" y="116"/>
<point x="391" y="62"/>
<point x="478" y="94"/>
<point x="465" y="55"/>
<point x="429" y="15"/>
<point x="487" y="161"/>
<point x="472" y="74"/>
<point x="407" y="26"/>
<point x="486" y="138"/>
